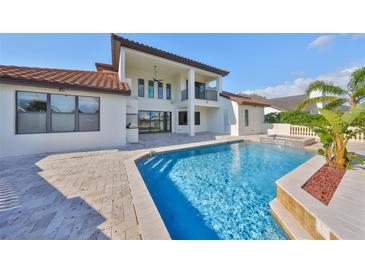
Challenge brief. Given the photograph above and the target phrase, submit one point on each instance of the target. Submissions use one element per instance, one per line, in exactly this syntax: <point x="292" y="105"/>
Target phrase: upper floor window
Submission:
<point x="141" y="87"/>
<point x="199" y="89"/>
<point x="168" y="91"/>
<point x="160" y="91"/>
<point x="151" y="89"/>
<point x="246" y="117"/>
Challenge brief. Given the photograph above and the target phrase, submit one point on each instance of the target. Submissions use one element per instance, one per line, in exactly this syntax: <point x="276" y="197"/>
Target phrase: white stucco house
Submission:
<point x="144" y="90"/>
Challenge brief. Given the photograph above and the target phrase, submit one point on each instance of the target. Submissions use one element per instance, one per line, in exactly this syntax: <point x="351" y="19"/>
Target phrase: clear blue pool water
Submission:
<point x="219" y="192"/>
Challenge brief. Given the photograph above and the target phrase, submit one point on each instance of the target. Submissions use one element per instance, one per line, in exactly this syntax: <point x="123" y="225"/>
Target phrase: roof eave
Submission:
<point x="159" y="53"/>
<point x="43" y="83"/>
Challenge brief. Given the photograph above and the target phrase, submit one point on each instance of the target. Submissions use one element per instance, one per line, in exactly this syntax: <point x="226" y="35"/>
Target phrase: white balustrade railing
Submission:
<point x="293" y="130"/>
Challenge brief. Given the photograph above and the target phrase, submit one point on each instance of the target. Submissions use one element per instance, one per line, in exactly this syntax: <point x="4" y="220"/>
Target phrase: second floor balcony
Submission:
<point x="206" y="94"/>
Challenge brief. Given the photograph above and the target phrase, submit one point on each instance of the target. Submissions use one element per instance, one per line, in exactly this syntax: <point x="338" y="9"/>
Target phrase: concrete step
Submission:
<point x="292" y="227"/>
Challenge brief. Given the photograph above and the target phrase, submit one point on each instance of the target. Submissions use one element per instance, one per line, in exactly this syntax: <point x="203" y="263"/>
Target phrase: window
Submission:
<point x="246" y="117"/>
<point x="197" y="118"/>
<point x="46" y="113"/>
<point x="151" y="89"/>
<point x="63" y="113"/>
<point x="168" y="91"/>
<point x="89" y="113"/>
<point x="31" y="112"/>
<point x="183" y="118"/>
<point x="160" y="90"/>
<point x="199" y="89"/>
<point x="140" y="87"/>
<point x="154" y="121"/>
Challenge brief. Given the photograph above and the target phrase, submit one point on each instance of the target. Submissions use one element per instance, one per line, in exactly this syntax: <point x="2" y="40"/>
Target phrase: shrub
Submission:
<point x="273" y="117"/>
<point x="292" y="117"/>
<point x="299" y="118"/>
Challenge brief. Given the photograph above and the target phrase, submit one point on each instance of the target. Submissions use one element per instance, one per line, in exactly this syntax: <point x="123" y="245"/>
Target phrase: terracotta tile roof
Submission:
<point x="104" y="67"/>
<point x="164" y="54"/>
<point x="62" y="78"/>
<point x="244" y="100"/>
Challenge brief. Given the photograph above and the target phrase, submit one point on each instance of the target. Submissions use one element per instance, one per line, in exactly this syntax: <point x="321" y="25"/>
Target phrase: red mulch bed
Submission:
<point x="323" y="184"/>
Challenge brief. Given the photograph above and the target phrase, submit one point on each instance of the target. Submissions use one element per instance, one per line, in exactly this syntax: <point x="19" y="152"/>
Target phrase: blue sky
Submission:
<point x="257" y="62"/>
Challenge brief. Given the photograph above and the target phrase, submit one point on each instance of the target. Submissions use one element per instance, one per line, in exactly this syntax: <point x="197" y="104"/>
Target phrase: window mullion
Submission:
<point x="49" y="114"/>
<point x="77" y="113"/>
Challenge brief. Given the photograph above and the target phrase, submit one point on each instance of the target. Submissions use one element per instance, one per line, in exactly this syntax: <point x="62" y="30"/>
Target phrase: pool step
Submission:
<point x="291" y="226"/>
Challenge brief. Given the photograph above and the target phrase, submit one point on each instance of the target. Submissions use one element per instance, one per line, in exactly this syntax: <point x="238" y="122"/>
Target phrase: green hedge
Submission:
<point x="292" y="117"/>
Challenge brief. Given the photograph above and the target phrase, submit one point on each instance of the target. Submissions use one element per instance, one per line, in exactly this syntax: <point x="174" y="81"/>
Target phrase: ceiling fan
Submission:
<point x="155" y="78"/>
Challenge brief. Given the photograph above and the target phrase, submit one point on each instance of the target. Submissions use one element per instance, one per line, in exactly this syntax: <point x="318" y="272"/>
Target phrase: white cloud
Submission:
<point x="322" y="42"/>
<point x="298" y="86"/>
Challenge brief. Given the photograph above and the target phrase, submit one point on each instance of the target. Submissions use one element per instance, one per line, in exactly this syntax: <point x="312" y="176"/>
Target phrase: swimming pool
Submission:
<point x="221" y="191"/>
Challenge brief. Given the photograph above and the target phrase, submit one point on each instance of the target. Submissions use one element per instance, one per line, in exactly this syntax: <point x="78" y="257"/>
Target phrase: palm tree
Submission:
<point x="335" y="131"/>
<point x="335" y="96"/>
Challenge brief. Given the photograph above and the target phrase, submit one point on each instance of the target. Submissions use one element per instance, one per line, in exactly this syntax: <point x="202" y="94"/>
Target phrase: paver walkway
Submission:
<point x="84" y="195"/>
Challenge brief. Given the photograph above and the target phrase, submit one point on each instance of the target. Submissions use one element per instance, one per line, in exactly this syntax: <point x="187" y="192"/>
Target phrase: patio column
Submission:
<point x="219" y="84"/>
<point x="121" y="69"/>
<point x="191" y="107"/>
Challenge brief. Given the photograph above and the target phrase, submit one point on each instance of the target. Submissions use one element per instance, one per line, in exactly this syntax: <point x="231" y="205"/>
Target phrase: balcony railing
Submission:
<point x="209" y="95"/>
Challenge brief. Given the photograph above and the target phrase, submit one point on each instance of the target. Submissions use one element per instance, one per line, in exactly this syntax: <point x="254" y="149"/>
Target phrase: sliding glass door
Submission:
<point x="154" y="121"/>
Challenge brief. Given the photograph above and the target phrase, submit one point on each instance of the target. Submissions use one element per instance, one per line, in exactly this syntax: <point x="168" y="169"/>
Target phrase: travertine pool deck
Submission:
<point x="81" y="195"/>
<point x="101" y="195"/>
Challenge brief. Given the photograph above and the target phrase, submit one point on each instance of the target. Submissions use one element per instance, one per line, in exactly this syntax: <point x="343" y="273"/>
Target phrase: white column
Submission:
<point x="121" y="69"/>
<point x="191" y="99"/>
<point x="219" y="84"/>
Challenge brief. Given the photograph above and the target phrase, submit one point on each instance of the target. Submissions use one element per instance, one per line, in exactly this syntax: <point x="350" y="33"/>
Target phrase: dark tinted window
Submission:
<point x="151" y="89"/>
<point x="197" y="118"/>
<point x="246" y="117"/>
<point x="160" y="91"/>
<point x="183" y="118"/>
<point x="168" y="91"/>
<point x="140" y="87"/>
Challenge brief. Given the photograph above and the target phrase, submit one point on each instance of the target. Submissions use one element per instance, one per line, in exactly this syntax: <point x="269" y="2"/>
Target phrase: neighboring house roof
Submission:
<point x="63" y="78"/>
<point x="288" y="103"/>
<point x="244" y="100"/>
<point x="163" y="54"/>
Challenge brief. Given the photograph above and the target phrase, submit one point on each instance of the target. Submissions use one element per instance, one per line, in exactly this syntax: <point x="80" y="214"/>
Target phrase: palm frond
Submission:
<point x="315" y="100"/>
<point x="327" y="88"/>
<point x="335" y="103"/>
<point x="333" y="118"/>
<point x="358" y="93"/>
<point x="357" y="79"/>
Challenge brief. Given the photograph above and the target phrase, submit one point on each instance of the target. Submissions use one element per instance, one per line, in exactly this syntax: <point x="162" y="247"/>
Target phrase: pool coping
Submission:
<point x="151" y="224"/>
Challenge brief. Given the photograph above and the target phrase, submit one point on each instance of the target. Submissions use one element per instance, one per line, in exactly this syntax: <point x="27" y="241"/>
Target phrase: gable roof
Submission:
<point x="163" y="54"/>
<point x="288" y="102"/>
<point x="244" y="100"/>
<point x="63" y="78"/>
